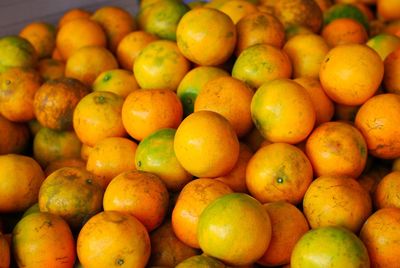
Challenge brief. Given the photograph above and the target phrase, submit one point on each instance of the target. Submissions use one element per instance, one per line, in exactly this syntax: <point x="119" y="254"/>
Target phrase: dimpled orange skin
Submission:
<point x="337" y="148"/>
<point x="206" y="144"/>
<point x="351" y="74"/>
<point x="279" y="172"/>
<point x="386" y="193"/>
<point x="283" y="111"/>
<point x="379" y="121"/>
<point x="206" y="36"/>
<point x="338" y="201"/>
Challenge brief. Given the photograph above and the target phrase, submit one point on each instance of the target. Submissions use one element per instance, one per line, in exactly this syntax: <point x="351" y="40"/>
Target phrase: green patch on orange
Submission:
<point x="16" y="52"/>
<point x="201" y="261"/>
<point x="345" y="11"/>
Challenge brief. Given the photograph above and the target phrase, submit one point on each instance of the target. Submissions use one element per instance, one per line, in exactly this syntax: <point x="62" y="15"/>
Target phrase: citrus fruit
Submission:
<point x="237" y="9"/>
<point x="15" y="137"/>
<point x="42" y="36"/>
<point x="392" y="67"/>
<point x="120" y="82"/>
<point x="386" y="192"/>
<point x="384" y="44"/>
<point x="51" y="69"/>
<point x="16" y="52"/>
<point x="201" y="261"/>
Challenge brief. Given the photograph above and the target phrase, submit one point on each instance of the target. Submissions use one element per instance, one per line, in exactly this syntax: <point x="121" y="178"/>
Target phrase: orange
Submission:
<point x="237" y="9"/>
<point x="42" y="36"/>
<point x="140" y="194"/>
<point x="142" y="109"/>
<point x="206" y="144"/>
<point x="57" y="55"/>
<point x="120" y="82"/>
<point x="345" y="10"/>
<point x="392" y="27"/>
<point x="325" y="4"/>
<point x="77" y="34"/>
<point x="371" y="177"/>
<point x="306" y="52"/>
<point x="116" y="23"/>
<point x="278" y="172"/>
<point x="259" y="28"/>
<point x="384" y="44"/>
<point x="391" y="78"/>
<point x="18" y="87"/>
<point x="166" y="249"/>
<point x="110" y="157"/>
<point x="111" y="239"/>
<point x="337" y="201"/>
<point x="64" y="162"/>
<point x="288" y="226"/>
<point x="293" y="30"/>
<point x="344" y="31"/>
<point x="283" y="111"/>
<point x="193" y="82"/>
<point x="380" y="236"/>
<point x="43" y="240"/>
<point x="351" y="74"/>
<point x="324" y="108"/>
<point x="230" y="98"/>
<point x="261" y="63"/>
<point x="155" y="154"/>
<point x="160" y="65"/>
<point x="130" y="46"/>
<point x="55" y="101"/>
<point x="337" y="149"/>
<point x="50" y="145"/>
<point x="192" y="201"/>
<point x="85" y="151"/>
<point x="206" y="36"/>
<point x="161" y="18"/>
<point x="88" y="62"/>
<point x="20" y="180"/>
<point x="378" y="121"/>
<point x="388" y="9"/>
<point x="72" y="14"/>
<point x="299" y="12"/>
<point x="50" y="69"/>
<point x="16" y="52"/>
<point x="329" y="247"/>
<point x="234" y="228"/>
<point x="201" y="261"/>
<point x="72" y="193"/>
<point x="396" y="164"/>
<point x="236" y="179"/>
<point x="386" y="193"/>
<point x="4" y="252"/>
<point x="15" y="137"/>
<point x="98" y="116"/>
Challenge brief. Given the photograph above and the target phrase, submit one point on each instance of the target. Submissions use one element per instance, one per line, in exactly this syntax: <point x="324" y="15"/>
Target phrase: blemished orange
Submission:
<point x="118" y="81"/>
<point x="351" y="74"/>
<point x="111" y="239"/>
<point x="73" y="14"/>
<point x="388" y="9"/>
<point x="51" y="69"/>
<point x="89" y="62"/>
<point x="261" y="63"/>
<point x="17" y="52"/>
<point x="166" y="249"/>
<point x="79" y="33"/>
<point x="42" y="36"/>
<point x="324" y="107"/>
<point x="160" y="65"/>
<point x="206" y="144"/>
<point x="98" y="116"/>
<point x="306" y="53"/>
<point x="5" y="256"/>
<point x="65" y="162"/>
<point x="235" y="228"/>
<point x="279" y="172"/>
<point x="72" y="193"/>
<point x="140" y="194"/>
<point x="337" y="201"/>
<point x="391" y="77"/>
<point x="116" y="23"/>
<point x="337" y="149"/>
<point x="206" y="36"/>
<point x="50" y="145"/>
<point x="192" y="200"/>
<point x="259" y="28"/>
<point x="110" y="157"/>
<point x="230" y="98"/>
<point x="20" y="180"/>
<point x="236" y="179"/>
<point x="142" y="110"/>
<point x="18" y="87"/>
<point x="283" y="111"/>
<point x="130" y="46"/>
<point x="201" y="260"/>
<point x="294" y="30"/>
<point x="386" y="193"/>
<point x="344" y="31"/>
<point x="55" y="101"/>
<point x="15" y="137"/>
<point x="237" y="9"/>
<point x="288" y="226"/>
<point x="378" y="119"/>
<point x="43" y="239"/>
<point x="380" y="236"/>
<point x="384" y="44"/>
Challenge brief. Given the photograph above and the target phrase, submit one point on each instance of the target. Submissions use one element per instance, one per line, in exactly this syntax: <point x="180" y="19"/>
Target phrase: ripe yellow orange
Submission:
<point x="120" y="82"/>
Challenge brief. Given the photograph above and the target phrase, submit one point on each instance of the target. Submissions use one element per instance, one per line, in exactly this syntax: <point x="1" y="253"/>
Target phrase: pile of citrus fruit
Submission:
<point x="242" y="133"/>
